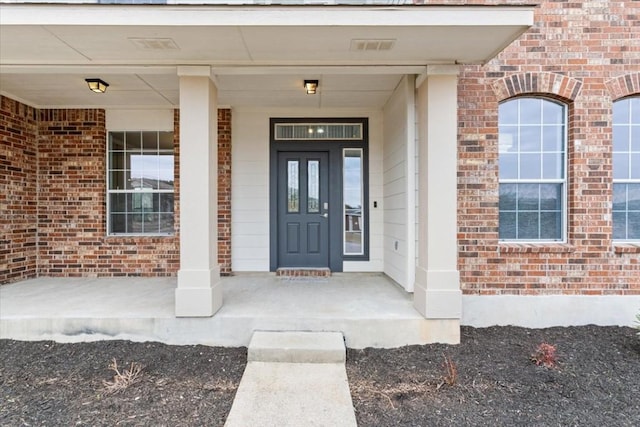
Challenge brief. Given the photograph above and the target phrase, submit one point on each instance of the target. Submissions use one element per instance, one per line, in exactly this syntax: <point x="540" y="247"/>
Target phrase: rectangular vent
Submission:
<point x="364" y="45"/>
<point x="154" y="44"/>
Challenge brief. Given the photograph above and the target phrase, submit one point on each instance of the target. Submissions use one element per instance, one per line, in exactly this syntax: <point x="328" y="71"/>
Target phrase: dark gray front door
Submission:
<point x="303" y="209"/>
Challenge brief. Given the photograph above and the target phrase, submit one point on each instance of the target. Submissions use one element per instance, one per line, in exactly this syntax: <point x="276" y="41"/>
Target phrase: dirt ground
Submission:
<point x="490" y="379"/>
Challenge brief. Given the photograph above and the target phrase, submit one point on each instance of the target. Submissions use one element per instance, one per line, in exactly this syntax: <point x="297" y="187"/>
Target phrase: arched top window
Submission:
<point x="532" y="169"/>
<point x="626" y="169"/>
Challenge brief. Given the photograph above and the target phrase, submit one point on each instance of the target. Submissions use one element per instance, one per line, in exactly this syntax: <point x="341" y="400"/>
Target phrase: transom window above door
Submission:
<point x="318" y="131"/>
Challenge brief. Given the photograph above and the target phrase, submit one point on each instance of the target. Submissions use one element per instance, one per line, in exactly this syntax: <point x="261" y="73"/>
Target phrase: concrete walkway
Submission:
<point x="294" y="379"/>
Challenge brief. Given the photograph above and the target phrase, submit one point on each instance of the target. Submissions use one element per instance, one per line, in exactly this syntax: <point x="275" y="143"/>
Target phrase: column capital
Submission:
<point x="436" y="70"/>
<point x="194" y="71"/>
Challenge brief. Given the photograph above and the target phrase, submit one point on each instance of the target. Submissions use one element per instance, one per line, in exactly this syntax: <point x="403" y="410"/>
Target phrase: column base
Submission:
<point x="199" y="293"/>
<point x="437" y="294"/>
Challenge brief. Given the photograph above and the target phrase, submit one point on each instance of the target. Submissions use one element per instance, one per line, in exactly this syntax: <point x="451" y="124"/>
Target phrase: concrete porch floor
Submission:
<point x="368" y="309"/>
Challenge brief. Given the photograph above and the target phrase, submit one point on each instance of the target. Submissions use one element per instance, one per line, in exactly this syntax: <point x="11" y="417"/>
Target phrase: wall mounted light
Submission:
<point x="311" y="86"/>
<point x="97" y="85"/>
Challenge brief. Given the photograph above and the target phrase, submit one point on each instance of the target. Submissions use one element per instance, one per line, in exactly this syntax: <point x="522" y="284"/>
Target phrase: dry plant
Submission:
<point x="122" y="380"/>
<point x="450" y="376"/>
<point x="545" y="355"/>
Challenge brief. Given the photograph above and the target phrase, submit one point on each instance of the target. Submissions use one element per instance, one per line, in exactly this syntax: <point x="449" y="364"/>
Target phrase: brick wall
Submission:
<point x="52" y="164"/>
<point x="224" y="191"/>
<point x="18" y="185"/>
<point x="586" y="54"/>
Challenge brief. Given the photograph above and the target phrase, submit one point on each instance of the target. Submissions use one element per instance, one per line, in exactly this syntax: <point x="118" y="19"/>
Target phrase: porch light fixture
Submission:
<point x="311" y="86"/>
<point x="97" y="85"/>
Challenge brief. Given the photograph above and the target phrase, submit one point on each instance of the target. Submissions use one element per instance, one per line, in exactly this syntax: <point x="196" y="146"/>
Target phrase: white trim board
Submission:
<point x="549" y="310"/>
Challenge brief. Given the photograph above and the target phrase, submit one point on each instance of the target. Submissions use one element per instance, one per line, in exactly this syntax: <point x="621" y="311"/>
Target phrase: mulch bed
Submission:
<point x="596" y="381"/>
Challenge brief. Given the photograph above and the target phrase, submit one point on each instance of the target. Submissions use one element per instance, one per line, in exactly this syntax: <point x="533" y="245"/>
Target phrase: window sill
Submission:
<point x="626" y="248"/>
<point x="535" y="248"/>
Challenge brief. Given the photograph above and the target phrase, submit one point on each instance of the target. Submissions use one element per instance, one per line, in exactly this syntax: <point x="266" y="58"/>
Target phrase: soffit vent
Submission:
<point x="154" y="44"/>
<point x="368" y="45"/>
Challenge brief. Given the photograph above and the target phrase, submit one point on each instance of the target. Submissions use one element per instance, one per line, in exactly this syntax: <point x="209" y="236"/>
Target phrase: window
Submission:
<point x="626" y="169"/>
<point x="532" y="180"/>
<point x="353" y="184"/>
<point x="140" y="183"/>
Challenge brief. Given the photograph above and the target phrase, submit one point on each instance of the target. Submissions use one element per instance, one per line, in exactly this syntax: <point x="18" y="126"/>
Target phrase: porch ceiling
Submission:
<point x="259" y="55"/>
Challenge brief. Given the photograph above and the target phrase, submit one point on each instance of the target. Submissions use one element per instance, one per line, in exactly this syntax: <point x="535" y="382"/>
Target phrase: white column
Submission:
<point x="199" y="291"/>
<point x="437" y="292"/>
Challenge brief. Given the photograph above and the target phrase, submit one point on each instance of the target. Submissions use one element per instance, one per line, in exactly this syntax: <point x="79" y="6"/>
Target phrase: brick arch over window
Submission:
<point x="562" y="86"/>
<point x="624" y="85"/>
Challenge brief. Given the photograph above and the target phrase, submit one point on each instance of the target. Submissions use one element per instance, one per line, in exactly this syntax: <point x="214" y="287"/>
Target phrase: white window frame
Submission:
<point x="110" y="192"/>
<point x="636" y="127"/>
<point x="565" y="164"/>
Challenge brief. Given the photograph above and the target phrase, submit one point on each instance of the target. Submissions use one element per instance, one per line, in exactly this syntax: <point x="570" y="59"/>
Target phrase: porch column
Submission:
<point x="199" y="292"/>
<point x="437" y="292"/>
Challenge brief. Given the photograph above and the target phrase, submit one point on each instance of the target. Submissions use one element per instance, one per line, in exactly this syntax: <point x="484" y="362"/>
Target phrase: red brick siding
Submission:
<point x="53" y="166"/>
<point x="224" y="191"/>
<point x="72" y="201"/>
<point x="18" y="189"/>
<point x="586" y="54"/>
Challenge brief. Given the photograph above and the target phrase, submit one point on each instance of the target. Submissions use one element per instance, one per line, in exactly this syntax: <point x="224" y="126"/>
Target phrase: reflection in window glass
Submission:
<point x="531" y="169"/>
<point x="353" y="201"/>
<point x="318" y="131"/>
<point x="313" y="186"/>
<point x="626" y="169"/>
<point x="140" y="183"/>
<point x="293" y="186"/>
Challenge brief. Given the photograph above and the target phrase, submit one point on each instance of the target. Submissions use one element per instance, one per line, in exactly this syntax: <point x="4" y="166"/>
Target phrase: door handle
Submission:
<point x="325" y="215"/>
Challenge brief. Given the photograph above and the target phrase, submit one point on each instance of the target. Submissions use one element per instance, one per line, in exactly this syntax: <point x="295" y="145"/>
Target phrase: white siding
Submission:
<point x="250" y="187"/>
<point x="398" y="185"/>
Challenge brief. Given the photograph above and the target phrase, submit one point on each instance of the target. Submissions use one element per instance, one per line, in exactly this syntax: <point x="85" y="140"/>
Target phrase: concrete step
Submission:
<point x="297" y="347"/>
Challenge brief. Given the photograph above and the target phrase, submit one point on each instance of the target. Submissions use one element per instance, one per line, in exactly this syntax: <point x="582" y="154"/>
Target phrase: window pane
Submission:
<point x="552" y="167"/>
<point x="530" y="139"/>
<point x="635" y="166"/>
<point x="620" y="138"/>
<point x="530" y="166"/>
<point x="635" y="109"/>
<point x="507" y="228"/>
<point x="528" y="225"/>
<point x="633" y="225"/>
<point x="133" y="141"/>
<point x="620" y="166"/>
<point x="353" y="196"/>
<point x="118" y="223"/>
<point x="635" y="138"/>
<point x="141" y="173"/>
<point x="508" y="166"/>
<point x="621" y="110"/>
<point x="552" y="113"/>
<point x="508" y="197"/>
<point x="165" y="141"/>
<point x="530" y="111"/>
<point x="313" y="186"/>
<point x="551" y="197"/>
<point x="550" y="225"/>
<point x="633" y="196"/>
<point x="508" y="113"/>
<point x="619" y="197"/>
<point x="528" y="197"/>
<point x="619" y="225"/>
<point x="293" y="187"/>
<point x="552" y="138"/>
<point x="116" y="140"/>
<point x="508" y="139"/>
<point x="530" y="209"/>
<point x="150" y="141"/>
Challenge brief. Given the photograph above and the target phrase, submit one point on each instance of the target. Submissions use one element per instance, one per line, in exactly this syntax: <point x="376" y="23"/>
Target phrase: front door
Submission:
<point x="303" y="209"/>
